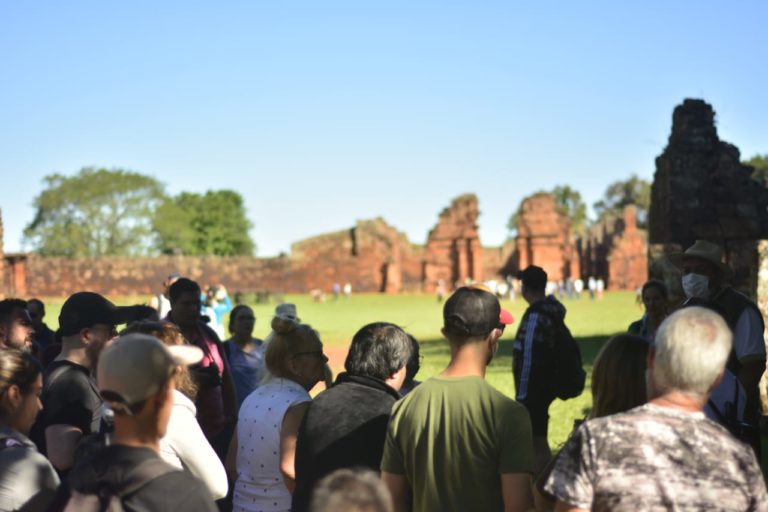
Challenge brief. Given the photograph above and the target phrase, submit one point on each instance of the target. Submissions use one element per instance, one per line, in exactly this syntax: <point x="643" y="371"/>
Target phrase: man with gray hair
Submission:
<point x="345" y="426"/>
<point x="665" y="455"/>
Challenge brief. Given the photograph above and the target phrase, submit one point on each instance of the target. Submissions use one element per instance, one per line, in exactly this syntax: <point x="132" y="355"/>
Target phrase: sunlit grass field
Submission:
<point x="592" y="322"/>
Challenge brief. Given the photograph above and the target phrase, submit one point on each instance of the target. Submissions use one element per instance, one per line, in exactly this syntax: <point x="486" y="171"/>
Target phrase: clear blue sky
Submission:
<point x="321" y="113"/>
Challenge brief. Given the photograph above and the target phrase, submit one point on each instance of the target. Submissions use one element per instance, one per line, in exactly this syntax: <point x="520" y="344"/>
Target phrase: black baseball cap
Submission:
<point x="86" y="309"/>
<point x="533" y="277"/>
<point x="474" y="311"/>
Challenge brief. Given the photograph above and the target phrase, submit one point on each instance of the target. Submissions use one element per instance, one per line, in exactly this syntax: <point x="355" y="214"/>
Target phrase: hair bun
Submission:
<point x="282" y="325"/>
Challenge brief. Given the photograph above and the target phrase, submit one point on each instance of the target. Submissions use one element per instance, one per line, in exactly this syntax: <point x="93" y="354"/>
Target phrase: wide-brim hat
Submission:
<point x="702" y="250"/>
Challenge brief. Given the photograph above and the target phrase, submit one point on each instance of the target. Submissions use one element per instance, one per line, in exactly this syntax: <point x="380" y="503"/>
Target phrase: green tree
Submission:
<point x="568" y="202"/>
<point x="213" y="223"/>
<point x="632" y="191"/>
<point x="760" y="163"/>
<point x="96" y="212"/>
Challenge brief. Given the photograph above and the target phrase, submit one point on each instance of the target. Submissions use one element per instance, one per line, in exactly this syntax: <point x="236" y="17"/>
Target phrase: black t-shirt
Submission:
<point x="69" y="397"/>
<point x="176" y="490"/>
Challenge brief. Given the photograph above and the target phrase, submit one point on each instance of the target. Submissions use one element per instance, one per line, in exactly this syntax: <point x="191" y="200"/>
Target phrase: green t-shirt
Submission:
<point x="452" y="438"/>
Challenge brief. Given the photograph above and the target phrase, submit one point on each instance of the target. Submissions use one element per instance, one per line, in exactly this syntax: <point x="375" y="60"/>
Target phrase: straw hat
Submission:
<point x="703" y="250"/>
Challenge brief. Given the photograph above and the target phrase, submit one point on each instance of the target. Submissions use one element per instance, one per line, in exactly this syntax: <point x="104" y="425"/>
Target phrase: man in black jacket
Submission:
<point x="533" y="356"/>
<point x="345" y="426"/>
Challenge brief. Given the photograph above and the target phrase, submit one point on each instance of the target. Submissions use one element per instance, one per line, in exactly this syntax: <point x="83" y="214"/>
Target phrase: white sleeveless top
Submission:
<point x="259" y="485"/>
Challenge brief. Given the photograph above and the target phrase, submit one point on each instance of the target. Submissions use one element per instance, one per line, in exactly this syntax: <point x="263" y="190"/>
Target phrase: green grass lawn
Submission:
<point x="591" y="323"/>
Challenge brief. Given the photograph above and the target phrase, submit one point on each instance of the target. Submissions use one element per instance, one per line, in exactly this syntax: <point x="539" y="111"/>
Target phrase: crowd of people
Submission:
<point x="166" y="415"/>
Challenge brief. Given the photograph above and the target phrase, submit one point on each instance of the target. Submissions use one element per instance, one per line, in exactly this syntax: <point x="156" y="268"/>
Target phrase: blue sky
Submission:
<point x="320" y="113"/>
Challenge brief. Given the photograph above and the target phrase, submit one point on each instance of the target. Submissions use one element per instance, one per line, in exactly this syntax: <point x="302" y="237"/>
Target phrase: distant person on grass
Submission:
<point x="455" y="441"/>
<point x="665" y="455"/>
<point x="345" y="426"/>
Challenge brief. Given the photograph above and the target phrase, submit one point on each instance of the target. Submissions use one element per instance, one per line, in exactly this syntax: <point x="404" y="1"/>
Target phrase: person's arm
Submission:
<point x="230" y="464"/>
<point x="187" y="440"/>
<point x="749" y="346"/>
<point x="398" y="488"/>
<point x="288" y="434"/>
<point x="516" y="492"/>
<point x="61" y="442"/>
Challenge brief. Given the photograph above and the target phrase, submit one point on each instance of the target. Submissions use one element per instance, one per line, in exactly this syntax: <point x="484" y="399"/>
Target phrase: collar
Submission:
<point x="366" y="381"/>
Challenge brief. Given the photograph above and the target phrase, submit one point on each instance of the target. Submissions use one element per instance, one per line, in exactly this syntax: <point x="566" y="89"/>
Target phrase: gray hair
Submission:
<point x="378" y="350"/>
<point x="692" y="347"/>
<point x="351" y="490"/>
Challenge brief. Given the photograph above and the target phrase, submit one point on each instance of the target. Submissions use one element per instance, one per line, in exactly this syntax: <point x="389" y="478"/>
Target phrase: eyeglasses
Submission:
<point x="315" y="353"/>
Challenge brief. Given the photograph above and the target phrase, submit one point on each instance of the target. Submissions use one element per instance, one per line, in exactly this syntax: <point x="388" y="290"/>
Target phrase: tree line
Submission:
<point x="632" y="191"/>
<point x="116" y="212"/>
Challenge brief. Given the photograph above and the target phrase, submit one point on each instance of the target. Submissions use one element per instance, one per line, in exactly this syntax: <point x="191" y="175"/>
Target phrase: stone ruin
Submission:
<point x="453" y="253"/>
<point x="701" y="190"/>
<point x="544" y="238"/>
<point x="616" y="250"/>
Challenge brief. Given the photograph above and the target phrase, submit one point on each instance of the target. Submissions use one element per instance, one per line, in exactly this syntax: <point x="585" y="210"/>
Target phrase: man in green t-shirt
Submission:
<point x="455" y="441"/>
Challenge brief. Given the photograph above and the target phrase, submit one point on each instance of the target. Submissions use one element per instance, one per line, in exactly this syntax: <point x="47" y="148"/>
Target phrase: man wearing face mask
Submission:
<point x="703" y="279"/>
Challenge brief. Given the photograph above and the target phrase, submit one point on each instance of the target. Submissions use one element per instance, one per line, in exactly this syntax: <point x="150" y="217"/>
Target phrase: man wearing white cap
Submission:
<point x="136" y="380"/>
<point x="703" y="278"/>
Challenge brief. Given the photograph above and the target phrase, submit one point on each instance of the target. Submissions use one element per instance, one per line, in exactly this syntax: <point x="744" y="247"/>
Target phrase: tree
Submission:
<point x="633" y="191"/>
<point x="570" y="204"/>
<point x="213" y="223"/>
<point x="760" y="163"/>
<point x="96" y="212"/>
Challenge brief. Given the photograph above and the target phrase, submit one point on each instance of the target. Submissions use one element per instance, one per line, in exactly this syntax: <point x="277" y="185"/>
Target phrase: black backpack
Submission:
<point x="111" y="500"/>
<point x="568" y="377"/>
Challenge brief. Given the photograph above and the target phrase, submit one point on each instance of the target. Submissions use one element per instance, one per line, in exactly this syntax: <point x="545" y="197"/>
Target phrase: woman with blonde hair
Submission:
<point x="265" y="443"/>
<point x="27" y="479"/>
<point x="184" y="444"/>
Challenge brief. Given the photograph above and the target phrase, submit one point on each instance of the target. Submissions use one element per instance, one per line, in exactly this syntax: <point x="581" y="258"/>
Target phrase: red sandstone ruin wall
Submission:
<point x="544" y="238"/>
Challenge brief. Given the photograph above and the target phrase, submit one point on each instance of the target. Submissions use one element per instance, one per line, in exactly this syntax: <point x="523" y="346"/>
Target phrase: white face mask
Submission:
<point x="696" y="286"/>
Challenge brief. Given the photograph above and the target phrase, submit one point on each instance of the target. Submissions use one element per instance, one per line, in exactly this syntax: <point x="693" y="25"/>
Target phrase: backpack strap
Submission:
<point x="144" y="473"/>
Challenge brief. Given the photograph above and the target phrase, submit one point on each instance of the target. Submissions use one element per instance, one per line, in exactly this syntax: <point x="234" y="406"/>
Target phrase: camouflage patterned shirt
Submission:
<point x="657" y="458"/>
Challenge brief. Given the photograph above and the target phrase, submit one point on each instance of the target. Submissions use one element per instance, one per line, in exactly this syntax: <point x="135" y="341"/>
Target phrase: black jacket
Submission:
<point x="344" y="427"/>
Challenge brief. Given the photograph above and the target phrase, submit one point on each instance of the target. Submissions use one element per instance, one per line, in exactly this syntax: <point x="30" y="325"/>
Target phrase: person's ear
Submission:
<point x="14" y="396"/>
<point x="442" y="331"/>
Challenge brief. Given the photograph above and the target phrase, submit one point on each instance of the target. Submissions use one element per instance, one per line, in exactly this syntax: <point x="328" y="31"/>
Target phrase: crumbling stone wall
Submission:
<point x="702" y="191"/>
<point x="544" y="238"/>
<point x="453" y="253"/>
<point x="615" y="250"/>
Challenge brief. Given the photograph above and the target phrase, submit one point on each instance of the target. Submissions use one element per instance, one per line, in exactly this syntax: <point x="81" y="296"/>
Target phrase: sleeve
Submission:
<point x="189" y="443"/>
<point x="571" y="478"/>
<point x="748" y="343"/>
<point x="516" y="450"/>
<point x="536" y="373"/>
<point x="392" y="460"/>
<point x="526" y="371"/>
